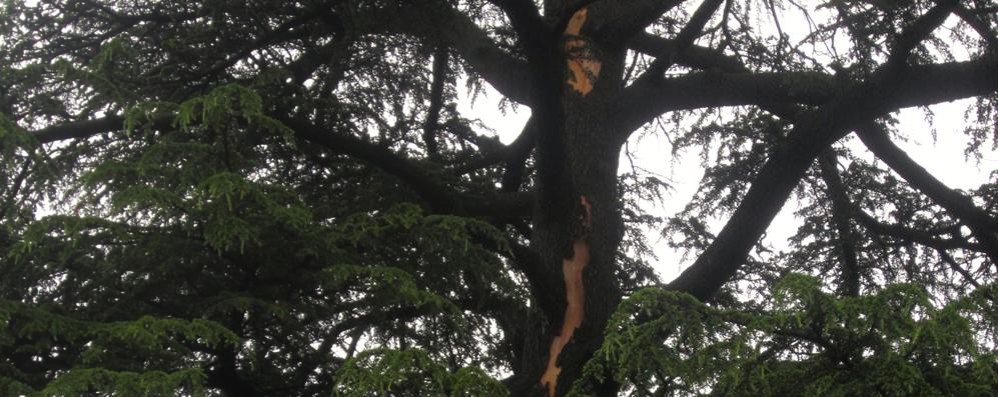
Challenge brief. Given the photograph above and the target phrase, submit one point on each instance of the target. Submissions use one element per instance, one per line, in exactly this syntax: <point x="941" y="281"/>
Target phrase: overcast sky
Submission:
<point x="943" y="157"/>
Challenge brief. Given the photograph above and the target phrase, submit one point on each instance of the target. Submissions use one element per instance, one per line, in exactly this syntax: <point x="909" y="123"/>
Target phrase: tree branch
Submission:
<point x="980" y="26"/>
<point x="78" y="129"/>
<point x="913" y="86"/>
<point x="535" y="36"/>
<point x="841" y="218"/>
<point x="957" y="268"/>
<point x="981" y="224"/>
<point x="440" y="197"/>
<point x="906" y="234"/>
<point x="666" y="58"/>
<point x="432" y="123"/>
<point x="436" y="21"/>
<point x="912" y="35"/>
<point x="623" y="20"/>
<point x="885" y="91"/>
<point x="693" y="56"/>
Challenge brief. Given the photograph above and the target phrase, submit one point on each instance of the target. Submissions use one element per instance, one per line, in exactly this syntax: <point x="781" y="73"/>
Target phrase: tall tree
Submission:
<point x="282" y="198"/>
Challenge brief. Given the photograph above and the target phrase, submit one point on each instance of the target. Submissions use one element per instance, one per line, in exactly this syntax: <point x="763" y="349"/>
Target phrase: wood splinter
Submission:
<point x="575" y="297"/>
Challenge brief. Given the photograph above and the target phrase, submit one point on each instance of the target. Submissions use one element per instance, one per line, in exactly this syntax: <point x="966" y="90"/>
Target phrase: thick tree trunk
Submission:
<point x="577" y="224"/>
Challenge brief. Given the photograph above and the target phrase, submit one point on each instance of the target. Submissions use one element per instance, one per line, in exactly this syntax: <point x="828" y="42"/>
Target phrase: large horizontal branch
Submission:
<point x="981" y="224"/>
<point x="885" y="91"/>
<point x="912" y="86"/>
<point x="78" y="129"/>
<point x="641" y="103"/>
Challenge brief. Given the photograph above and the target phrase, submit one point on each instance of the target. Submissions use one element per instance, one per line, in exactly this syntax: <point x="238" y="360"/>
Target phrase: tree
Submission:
<point x="281" y="198"/>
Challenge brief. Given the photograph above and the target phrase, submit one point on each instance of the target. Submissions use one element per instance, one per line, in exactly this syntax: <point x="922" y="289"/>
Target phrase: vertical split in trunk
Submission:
<point x="575" y="299"/>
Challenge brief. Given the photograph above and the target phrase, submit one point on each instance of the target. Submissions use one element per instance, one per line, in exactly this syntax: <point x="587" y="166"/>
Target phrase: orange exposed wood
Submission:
<point x="575" y="297"/>
<point x="583" y="65"/>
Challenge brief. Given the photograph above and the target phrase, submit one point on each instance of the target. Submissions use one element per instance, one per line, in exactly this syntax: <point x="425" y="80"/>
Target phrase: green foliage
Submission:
<point x="410" y="372"/>
<point x="893" y="343"/>
<point x="154" y="383"/>
<point x="148" y="344"/>
<point x="203" y="248"/>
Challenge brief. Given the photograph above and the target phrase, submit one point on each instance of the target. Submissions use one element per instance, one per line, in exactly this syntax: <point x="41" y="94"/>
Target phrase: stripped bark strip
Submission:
<point x="582" y="62"/>
<point x="575" y="297"/>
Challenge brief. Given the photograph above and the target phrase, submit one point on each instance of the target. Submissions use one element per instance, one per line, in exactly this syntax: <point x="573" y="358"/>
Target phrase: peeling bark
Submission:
<point x="583" y="65"/>
<point x="575" y="298"/>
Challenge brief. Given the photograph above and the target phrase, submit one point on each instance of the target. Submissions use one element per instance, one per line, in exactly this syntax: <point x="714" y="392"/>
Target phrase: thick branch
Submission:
<point x="437" y="21"/>
<point x="640" y="103"/>
<point x="78" y="129"/>
<point x="915" y="86"/>
<point x="979" y="26"/>
<point x="982" y="225"/>
<point x="919" y="30"/>
<point x="623" y="20"/>
<point x="535" y="36"/>
<point x="516" y="157"/>
<point x="884" y="92"/>
<point x="683" y="40"/>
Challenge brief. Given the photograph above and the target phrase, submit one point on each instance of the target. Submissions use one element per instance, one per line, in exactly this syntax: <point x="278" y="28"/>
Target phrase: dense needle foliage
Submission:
<point x="270" y="198"/>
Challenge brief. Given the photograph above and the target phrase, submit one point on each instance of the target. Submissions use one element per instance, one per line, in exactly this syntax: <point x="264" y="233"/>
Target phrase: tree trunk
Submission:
<point x="577" y="224"/>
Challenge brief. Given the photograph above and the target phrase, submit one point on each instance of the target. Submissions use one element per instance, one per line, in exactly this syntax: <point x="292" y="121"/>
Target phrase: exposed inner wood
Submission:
<point x="575" y="297"/>
<point x="583" y="64"/>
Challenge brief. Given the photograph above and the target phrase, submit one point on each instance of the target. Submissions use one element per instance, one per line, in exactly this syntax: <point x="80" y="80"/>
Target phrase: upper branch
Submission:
<point x="915" y="86"/>
<point x="534" y="34"/>
<point x="624" y="19"/>
<point x="684" y="39"/>
<point x="885" y="91"/>
<point x="979" y="26"/>
<point x="693" y="56"/>
<point x="919" y="30"/>
<point x="437" y="21"/>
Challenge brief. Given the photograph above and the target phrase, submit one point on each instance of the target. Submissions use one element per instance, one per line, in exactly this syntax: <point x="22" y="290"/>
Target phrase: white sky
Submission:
<point x="942" y="156"/>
